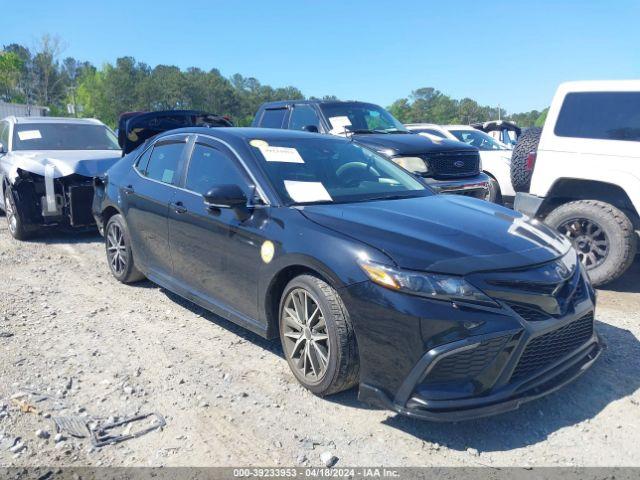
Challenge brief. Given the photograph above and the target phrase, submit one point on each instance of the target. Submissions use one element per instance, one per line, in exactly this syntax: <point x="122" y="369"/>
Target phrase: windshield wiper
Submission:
<point x="365" y="130"/>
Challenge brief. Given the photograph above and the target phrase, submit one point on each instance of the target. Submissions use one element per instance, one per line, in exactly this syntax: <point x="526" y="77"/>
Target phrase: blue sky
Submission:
<point x="512" y="53"/>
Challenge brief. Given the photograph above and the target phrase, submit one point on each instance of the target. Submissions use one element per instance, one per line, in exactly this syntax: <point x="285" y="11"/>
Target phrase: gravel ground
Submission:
<point x="73" y="341"/>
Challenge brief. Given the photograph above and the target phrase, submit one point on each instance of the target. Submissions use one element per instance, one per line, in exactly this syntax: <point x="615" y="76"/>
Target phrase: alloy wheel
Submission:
<point x="588" y="238"/>
<point x="10" y="212"/>
<point x="117" y="249"/>
<point x="306" y="339"/>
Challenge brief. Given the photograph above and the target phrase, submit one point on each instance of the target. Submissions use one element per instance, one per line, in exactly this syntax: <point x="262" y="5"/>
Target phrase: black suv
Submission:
<point x="446" y="166"/>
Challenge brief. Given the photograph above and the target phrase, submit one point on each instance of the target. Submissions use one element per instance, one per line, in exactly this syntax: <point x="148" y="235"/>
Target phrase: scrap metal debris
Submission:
<point x="74" y="426"/>
<point x="103" y="435"/>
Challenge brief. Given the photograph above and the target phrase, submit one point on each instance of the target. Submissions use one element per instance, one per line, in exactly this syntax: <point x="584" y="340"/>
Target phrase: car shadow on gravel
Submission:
<point x="629" y="282"/>
<point x="57" y="236"/>
<point x="614" y="377"/>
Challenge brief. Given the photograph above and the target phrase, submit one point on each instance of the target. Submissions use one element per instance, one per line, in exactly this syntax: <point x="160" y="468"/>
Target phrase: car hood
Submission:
<point x="60" y="163"/>
<point x="410" y="144"/>
<point x="444" y="234"/>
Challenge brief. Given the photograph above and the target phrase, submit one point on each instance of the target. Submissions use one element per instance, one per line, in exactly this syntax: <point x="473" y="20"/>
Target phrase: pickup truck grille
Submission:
<point x="453" y="164"/>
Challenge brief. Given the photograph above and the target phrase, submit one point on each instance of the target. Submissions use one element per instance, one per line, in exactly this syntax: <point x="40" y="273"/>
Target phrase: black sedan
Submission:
<point x="439" y="307"/>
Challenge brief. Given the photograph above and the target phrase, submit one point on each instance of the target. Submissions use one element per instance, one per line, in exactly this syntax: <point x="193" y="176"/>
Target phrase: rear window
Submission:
<point x="273" y="118"/>
<point x="600" y="115"/>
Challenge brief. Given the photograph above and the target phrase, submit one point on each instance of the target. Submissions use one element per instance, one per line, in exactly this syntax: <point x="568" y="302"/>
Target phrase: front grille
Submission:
<point x="454" y="164"/>
<point x="550" y="347"/>
<point x="528" y="313"/>
<point x="468" y="363"/>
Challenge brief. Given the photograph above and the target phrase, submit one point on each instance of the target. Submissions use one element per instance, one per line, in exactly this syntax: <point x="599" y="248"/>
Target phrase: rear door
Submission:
<point x="151" y="189"/>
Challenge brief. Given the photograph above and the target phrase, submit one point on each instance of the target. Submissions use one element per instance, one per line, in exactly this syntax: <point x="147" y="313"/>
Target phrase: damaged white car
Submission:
<point x="47" y="166"/>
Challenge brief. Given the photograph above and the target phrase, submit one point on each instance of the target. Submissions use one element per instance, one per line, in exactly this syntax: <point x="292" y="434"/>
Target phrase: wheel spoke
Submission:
<point x="322" y="355"/>
<point x="313" y="360"/>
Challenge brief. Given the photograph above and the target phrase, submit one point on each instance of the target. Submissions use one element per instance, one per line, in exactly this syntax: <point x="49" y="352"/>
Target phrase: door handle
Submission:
<point x="179" y="207"/>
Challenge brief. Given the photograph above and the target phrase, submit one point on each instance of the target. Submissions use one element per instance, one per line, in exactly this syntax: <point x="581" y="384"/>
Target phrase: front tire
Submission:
<point x="602" y="234"/>
<point x="17" y="228"/>
<point x="119" y="254"/>
<point x="317" y="336"/>
<point x="495" y="195"/>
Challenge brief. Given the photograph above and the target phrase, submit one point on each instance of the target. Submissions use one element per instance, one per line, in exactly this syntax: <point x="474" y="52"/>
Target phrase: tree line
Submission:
<point x="68" y="86"/>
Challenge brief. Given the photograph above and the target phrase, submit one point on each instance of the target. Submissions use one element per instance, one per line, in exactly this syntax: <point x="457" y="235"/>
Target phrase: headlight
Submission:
<point x="413" y="164"/>
<point x="429" y="285"/>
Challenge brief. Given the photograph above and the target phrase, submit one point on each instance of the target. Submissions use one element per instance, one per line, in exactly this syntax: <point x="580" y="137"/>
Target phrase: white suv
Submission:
<point x="495" y="155"/>
<point x="581" y="173"/>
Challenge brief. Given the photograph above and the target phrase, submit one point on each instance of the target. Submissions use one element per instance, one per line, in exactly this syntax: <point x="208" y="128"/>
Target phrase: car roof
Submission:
<point x="251" y="133"/>
<point x="458" y="127"/>
<point x="67" y="120"/>
<point x="285" y="103"/>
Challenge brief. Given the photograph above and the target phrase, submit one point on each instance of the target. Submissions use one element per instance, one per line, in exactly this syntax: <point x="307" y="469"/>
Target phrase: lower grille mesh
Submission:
<point x="546" y="349"/>
<point x="468" y="363"/>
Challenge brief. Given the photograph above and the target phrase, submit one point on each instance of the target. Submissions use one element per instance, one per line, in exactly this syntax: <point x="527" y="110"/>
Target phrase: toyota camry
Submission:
<point x="439" y="307"/>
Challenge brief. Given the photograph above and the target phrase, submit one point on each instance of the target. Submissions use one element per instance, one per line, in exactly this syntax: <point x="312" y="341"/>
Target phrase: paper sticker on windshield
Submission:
<point x="338" y="123"/>
<point x="301" y="192"/>
<point x="281" y="154"/>
<point x="258" y="143"/>
<point x="29" y="135"/>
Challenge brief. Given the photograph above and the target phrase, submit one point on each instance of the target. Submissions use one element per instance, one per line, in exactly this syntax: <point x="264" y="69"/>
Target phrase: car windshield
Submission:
<point x="63" y="136"/>
<point x="360" y="118"/>
<point x="326" y="170"/>
<point x="478" y="139"/>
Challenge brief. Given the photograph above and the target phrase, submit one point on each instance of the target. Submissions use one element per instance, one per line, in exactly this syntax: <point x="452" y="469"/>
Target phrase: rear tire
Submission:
<point x="495" y="195"/>
<point x="320" y="346"/>
<point x="118" y="249"/>
<point x="527" y="143"/>
<point x="602" y="234"/>
<point x="17" y="228"/>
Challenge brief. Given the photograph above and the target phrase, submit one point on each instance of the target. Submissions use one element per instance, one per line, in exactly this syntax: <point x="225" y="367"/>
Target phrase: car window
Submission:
<point x="273" y="118"/>
<point x="477" y="139"/>
<point x="143" y="161"/>
<point x="324" y="169"/>
<point x="209" y="166"/>
<point x="303" y="116"/>
<point x="600" y="115"/>
<point x="63" y="136"/>
<point x="430" y="131"/>
<point x="4" y="135"/>
<point x="164" y="163"/>
<point x="360" y="117"/>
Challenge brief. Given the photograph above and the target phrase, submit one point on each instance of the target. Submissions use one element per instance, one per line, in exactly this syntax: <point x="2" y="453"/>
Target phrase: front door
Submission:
<point x="215" y="255"/>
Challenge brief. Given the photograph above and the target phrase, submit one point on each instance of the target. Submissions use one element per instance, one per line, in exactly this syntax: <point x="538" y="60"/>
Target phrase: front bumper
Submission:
<point x="442" y="362"/>
<point x="477" y="186"/>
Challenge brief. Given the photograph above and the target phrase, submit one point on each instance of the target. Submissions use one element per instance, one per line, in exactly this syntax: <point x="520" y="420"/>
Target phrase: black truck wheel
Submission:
<point x="603" y="236"/>
<point x="317" y="336"/>
<point x="520" y="174"/>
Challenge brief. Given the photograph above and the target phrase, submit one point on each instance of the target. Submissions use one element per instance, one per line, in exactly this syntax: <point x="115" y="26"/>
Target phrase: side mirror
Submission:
<point x="310" y="128"/>
<point x="228" y="196"/>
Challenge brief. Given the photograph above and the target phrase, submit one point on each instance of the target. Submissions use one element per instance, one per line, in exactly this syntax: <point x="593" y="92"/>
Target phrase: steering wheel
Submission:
<point x="353" y="173"/>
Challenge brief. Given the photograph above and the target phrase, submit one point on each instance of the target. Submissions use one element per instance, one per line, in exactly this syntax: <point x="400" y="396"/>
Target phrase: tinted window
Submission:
<point x="143" y="161"/>
<point x="273" y="118"/>
<point x="164" y="163"/>
<point x="303" y="116"/>
<point x="326" y="169"/>
<point x="209" y="167"/>
<point x="600" y="115"/>
<point x="63" y="136"/>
